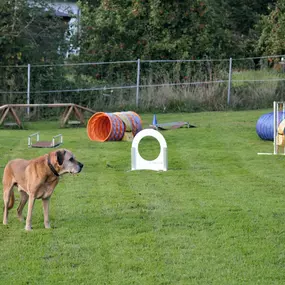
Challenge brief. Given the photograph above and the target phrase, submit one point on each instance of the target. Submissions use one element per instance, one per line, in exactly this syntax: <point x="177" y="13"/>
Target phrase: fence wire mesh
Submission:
<point x="167" y="85"/>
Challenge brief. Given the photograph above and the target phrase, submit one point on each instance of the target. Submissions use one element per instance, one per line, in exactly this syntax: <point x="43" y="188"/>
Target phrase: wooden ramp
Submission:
<point x="44" y="144"/>
<point x="171" y="125"/>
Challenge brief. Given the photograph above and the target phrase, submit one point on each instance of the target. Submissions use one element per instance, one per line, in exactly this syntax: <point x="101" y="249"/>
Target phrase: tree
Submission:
<point x="272" y="37"/>
<point x="30" y="32"/>
<point x="156" y="29"/>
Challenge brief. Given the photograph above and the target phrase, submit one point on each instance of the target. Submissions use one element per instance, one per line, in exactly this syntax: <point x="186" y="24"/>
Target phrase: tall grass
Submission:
<point x="165" y="87"/>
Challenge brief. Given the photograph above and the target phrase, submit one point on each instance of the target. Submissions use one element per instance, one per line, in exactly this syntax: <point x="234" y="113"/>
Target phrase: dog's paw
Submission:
<point x="28" y="228"/>
<point x="47" y="226"/>
<point x="21" y="219"/>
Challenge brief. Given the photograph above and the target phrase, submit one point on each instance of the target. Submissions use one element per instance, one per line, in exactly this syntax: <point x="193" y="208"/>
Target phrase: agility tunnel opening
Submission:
<point x="265" y="127"/>
<point x="271" y="126"/>
<point x="113" y="126"/>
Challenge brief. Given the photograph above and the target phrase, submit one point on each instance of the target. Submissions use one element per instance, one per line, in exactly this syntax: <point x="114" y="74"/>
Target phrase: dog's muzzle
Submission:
<point x="80" y="166"/>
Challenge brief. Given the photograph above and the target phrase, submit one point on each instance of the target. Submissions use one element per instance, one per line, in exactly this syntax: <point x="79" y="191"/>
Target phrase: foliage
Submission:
<point x="273" y="31"/>
<point x="116" y="30"/>
<point x="30" y="33"/>
<point x="122" y="30"/>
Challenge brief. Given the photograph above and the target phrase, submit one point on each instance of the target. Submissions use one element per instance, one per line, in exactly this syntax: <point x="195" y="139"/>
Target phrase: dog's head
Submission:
<point x="64" y="161"/>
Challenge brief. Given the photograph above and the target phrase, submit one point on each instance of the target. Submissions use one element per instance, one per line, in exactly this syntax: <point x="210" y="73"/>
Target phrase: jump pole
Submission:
<point x="278" y="106"/>
<point x="275" y="120"/>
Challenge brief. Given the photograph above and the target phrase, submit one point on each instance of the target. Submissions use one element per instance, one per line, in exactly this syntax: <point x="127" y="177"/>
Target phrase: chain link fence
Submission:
<point x="148" y="85"/>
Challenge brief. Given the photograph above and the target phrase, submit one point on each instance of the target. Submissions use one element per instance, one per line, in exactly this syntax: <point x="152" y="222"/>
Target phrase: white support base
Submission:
<point x="270" y="153"/>
<point x="160" y="163"/>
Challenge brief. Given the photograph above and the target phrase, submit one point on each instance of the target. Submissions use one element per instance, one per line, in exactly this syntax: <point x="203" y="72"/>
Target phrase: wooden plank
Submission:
<point x="44" y="144"/>
<point x="67" y="116"/>
<point x="14" y="114"/>
<point x="64" y="115"/>
<point x="79" y="115"/>
<point x="3" y="107"/>
<point x="41" y="105"/>
<point x="10" y="124"/>
<point x="74" y="123"/>
<point x="86" y="109"/>
<point x="4" y="115"/>
<point x="48" y="105"/>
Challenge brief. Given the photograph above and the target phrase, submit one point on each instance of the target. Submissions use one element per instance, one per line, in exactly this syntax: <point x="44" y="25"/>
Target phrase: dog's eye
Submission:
<point x="71" y="159"/>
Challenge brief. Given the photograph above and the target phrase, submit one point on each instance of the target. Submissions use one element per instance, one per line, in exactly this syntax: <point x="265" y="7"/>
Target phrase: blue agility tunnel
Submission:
<point x="265" y="125"/>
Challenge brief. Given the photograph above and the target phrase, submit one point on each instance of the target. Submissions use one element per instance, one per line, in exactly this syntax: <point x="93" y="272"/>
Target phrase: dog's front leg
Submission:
<point x="46" y="212"/>
<point x="30" y="210"/>
<point x="24" y="199"/>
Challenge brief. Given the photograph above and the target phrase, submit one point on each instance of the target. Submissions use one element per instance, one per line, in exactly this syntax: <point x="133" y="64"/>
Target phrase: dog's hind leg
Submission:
<point x="24" y="199"/>
<point x="9" y="199"/>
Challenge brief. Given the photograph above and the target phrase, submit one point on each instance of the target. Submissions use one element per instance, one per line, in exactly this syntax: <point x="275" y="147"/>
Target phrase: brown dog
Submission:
<point x="36" y="179"/>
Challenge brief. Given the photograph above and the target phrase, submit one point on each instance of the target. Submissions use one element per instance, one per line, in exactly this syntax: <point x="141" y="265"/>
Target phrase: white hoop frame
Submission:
<point x="139" y="163"/>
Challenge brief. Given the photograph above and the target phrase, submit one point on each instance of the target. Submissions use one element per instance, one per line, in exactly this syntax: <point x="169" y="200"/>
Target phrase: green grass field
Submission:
<point x="217" y="216"/>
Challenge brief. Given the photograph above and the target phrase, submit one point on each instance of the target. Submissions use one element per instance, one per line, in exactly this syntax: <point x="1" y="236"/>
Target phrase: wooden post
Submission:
<point x="79" y="115"/>
<point x="66" y="116"/>
<point x="4" y="114"/>
<point x="14" y="114"/>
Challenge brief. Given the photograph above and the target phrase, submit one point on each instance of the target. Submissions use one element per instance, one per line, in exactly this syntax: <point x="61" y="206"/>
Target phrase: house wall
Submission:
<point x="67" y="7"/>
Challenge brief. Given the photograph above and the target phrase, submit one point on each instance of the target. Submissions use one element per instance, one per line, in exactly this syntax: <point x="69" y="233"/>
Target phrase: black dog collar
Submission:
<point x="52" y="168"/>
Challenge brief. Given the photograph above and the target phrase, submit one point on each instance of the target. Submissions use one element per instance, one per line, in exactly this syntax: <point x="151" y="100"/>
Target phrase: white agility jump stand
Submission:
<point x="160" y="163"/>
<point x="278" y="122"/>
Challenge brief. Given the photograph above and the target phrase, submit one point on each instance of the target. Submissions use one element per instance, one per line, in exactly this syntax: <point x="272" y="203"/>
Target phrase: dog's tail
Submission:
<point x="11" y="200"/>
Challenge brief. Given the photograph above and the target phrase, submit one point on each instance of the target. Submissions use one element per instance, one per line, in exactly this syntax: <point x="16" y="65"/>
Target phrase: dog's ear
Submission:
<point x="60" y="156"/>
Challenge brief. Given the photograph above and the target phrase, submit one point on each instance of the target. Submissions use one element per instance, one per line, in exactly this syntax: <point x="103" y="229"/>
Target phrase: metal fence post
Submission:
<point x="230" y="81"/>
<point x="138" y="82"/>
<point x="28" y="89"/>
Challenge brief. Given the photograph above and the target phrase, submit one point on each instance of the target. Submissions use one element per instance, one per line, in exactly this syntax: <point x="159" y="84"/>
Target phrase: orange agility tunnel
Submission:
<point x="112" y="126"/>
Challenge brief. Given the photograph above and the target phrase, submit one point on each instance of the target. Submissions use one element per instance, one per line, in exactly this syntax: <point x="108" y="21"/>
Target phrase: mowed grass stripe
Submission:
<point x="216" y="217"/>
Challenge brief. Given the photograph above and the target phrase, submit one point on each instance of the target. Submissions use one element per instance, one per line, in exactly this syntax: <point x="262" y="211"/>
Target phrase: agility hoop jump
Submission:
<point x="271" y="127"/>
<point x="139" y="163"/>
